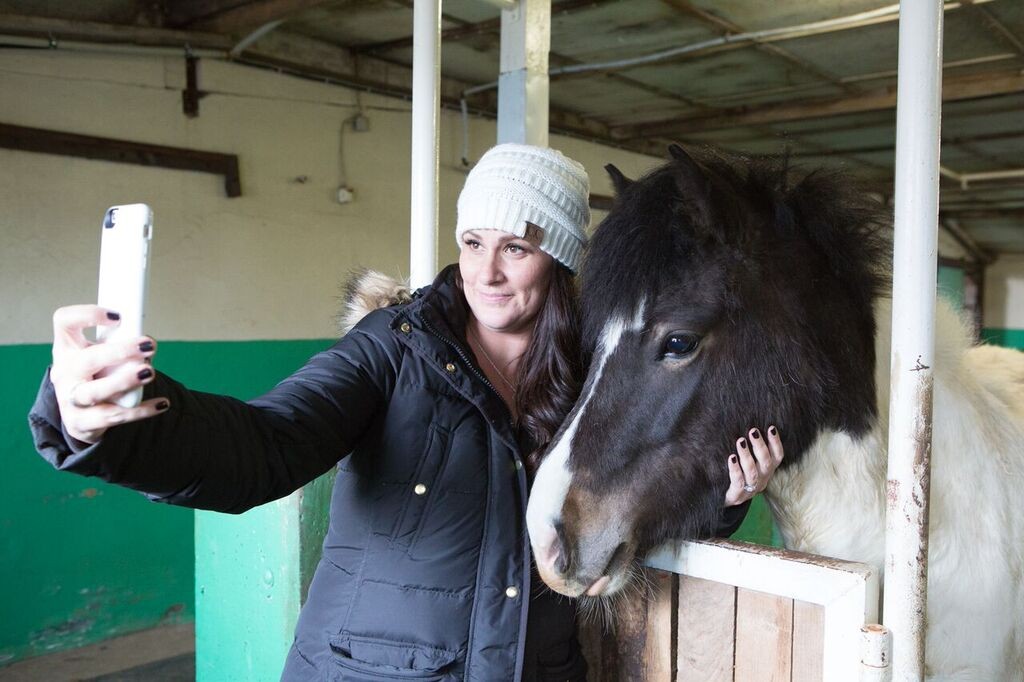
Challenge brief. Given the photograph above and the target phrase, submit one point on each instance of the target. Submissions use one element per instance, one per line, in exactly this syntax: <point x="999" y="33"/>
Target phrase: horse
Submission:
<point x="722" y="292"/>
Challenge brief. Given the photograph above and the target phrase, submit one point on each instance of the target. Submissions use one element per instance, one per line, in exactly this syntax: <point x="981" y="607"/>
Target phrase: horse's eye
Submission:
<point x="679" y="345"/>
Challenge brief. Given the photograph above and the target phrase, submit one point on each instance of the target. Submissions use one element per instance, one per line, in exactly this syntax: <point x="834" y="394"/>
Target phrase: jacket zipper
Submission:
<point x="527" y="586"/>
<point x="469" y="364"/>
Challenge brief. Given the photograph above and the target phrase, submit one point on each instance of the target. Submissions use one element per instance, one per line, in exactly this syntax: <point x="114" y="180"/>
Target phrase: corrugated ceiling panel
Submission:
<point x="354" y="25"/>
<point x="472" y="11"/>
<point x="605" y="98"/>
<point x="723" y="73"/>
<point x="623" y="29"/>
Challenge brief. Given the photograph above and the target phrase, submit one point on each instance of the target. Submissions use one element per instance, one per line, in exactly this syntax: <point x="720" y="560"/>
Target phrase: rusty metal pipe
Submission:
<point x="913" y="333"/>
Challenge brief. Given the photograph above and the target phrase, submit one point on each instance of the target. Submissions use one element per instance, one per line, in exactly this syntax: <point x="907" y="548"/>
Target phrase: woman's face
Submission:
<point x="505" y="277"/>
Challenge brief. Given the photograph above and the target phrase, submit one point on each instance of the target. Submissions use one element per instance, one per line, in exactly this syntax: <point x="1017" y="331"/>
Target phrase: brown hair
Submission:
<point x="550" y="372"/>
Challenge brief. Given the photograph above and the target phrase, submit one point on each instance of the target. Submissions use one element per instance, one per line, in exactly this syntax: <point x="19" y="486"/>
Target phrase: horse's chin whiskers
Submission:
<point x="602" y="610"/>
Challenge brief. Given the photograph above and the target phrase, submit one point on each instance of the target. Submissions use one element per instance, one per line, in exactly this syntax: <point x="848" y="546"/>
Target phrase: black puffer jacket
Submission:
<point x="426" y="561"/>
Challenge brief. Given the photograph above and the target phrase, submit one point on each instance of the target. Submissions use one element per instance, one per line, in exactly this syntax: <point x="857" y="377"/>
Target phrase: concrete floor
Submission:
<point x="164" y="654"/>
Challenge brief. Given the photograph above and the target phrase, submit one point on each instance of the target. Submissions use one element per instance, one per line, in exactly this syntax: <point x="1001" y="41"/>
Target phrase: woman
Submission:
<point x="430" y="407"/>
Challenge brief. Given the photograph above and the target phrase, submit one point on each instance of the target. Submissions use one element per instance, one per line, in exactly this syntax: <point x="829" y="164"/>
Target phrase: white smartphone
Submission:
<point x="124" y="266"/>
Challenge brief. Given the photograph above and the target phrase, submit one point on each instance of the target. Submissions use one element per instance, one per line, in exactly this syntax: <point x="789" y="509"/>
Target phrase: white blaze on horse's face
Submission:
<point x="551" y="484"/>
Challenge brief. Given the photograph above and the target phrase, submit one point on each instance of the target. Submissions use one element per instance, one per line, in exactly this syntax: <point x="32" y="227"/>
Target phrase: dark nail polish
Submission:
<point x="145" y="374"/>
<point x="162" y="405"/>
<point x="743" y="443"/>
<point x="732" y="458"/>
<point x="754" y="434"/>
<point x="111" y="315"/>
<point x="772" y="430"/>
<point x="146" y="346"/>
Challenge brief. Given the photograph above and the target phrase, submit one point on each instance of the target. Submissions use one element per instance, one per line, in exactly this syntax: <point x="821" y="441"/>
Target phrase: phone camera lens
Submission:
<point x="110" y="218"/>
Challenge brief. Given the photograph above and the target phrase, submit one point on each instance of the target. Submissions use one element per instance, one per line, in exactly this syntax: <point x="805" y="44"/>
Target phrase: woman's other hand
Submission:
<point x="85" y="400"/>
<point x="751" y="467"/>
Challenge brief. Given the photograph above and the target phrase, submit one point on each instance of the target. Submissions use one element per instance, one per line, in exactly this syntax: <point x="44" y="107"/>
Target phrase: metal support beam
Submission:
<point x="426" y="113"/>
<point x="122" y="151"/>
<point x="523" y="83"/>
<point x="913" y="334"/>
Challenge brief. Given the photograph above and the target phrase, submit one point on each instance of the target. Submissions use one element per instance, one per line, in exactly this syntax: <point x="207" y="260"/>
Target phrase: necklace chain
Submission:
<point x="476" y="340"/>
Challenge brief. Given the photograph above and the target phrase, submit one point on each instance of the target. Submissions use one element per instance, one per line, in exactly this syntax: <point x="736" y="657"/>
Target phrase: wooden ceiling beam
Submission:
<point x="946" y="140"/>
<point x="955" y="88"/>
<point x="96" y="32"/>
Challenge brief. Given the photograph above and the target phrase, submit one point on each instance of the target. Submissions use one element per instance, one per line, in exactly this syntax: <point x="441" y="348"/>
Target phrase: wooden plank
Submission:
<point x="58" y="142"/>
<point x="658" y="646"/>
<point x="764" y="637"/>
<point x="706" y="618"/>
<point x="808" y="642"/>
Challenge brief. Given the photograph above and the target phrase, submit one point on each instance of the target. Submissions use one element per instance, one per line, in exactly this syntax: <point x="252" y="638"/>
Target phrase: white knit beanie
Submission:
<point x="515" y="184"/>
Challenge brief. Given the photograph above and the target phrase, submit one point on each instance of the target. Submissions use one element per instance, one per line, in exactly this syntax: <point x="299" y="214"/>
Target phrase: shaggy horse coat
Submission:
<point x="716" y="295"/>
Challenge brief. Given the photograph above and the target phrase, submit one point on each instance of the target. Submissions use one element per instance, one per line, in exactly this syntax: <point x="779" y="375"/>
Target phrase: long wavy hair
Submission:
<point x="551" y="371"/>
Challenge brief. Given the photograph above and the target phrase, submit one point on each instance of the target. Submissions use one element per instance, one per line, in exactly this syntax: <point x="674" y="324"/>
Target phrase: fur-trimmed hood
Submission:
<point x="369" y="290"/>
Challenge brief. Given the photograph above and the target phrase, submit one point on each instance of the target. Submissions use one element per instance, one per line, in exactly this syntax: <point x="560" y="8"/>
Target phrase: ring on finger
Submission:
<point x="75" y="401"/>
<point x="748" y="487"/>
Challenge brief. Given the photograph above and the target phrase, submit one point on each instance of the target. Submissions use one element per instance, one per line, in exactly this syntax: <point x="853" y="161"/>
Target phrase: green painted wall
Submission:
<point x="951" y="285"/>
<point x="1011" y="338"/>
<point x="80" y="560"/>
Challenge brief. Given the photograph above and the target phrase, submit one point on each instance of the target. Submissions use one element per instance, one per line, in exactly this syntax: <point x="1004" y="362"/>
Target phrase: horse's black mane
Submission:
<point x="740" y="209"/>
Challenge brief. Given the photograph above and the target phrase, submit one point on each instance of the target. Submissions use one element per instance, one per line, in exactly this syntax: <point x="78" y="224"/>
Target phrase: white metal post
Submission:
<point x="523" y="83"/>
<point x="426" y="101"/>
<point x="918" y="114"/>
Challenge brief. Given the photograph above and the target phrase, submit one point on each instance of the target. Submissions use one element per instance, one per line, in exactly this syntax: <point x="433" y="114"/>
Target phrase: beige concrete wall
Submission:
<point x="1004" y="293"/>
<point x="266" y="265"/>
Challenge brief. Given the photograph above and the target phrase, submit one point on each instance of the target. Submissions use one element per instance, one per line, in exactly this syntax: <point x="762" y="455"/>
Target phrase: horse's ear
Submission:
<point x="620" y="181"/>
<point x="678" y="153"/>
<point x="695" y="189"/>
<point x="692" y="172"/>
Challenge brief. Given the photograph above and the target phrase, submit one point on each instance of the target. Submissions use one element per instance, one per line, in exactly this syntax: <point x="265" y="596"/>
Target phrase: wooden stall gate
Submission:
<point x="725" y="611"/>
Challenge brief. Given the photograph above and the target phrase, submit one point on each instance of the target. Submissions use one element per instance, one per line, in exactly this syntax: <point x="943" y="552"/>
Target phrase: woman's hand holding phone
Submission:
<point x="88" y="404"/>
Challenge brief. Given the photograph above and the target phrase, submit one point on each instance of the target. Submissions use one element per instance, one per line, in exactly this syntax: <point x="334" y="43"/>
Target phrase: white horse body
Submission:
<point x="833" y="502"/>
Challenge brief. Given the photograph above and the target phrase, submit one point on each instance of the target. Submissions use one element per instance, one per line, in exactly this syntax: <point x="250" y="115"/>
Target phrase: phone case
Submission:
<point x="124" y="265"/>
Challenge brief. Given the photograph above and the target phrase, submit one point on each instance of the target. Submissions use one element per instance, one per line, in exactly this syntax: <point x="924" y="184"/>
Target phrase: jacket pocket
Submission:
<point x="362" y="659"/>
<point x="423" y="487"/>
